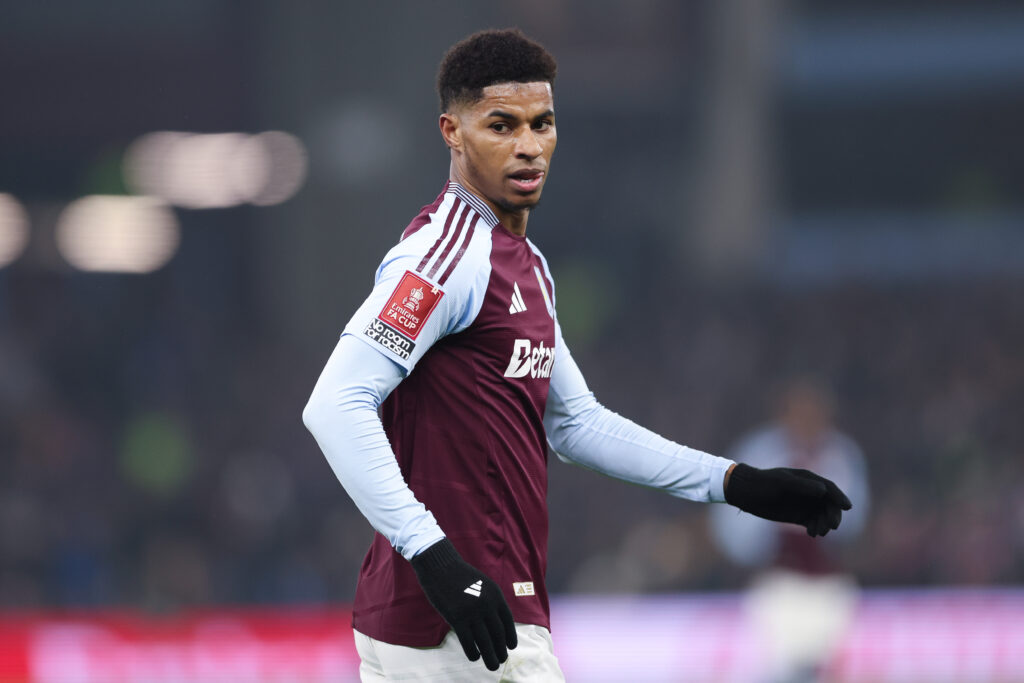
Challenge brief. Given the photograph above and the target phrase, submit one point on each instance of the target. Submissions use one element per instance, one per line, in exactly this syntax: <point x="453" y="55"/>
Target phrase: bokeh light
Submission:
<point x="156" y="454"/>
<point x="13" y="229"/>
<point x="216" y="170"/>
<point x="117" y="234"/>
<point x="258" y="488"/>
<point x="287" y="166"/>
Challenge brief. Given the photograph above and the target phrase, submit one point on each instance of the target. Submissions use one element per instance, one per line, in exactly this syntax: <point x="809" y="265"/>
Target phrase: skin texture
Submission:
<point x="509" y="130"/>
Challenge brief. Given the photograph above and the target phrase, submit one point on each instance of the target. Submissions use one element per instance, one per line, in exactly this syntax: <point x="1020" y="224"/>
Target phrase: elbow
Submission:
<point x="560" y="441"/>
<point x="312" y="414"/>
<point x="563" y="441"/>
<point x="557" y="432"/>
<point x="343" y="405"/>
<point x="563" y="457"/>
<point x="556" y="447"/>
<point x="568" y="428"/>
<point x="320" y="412"/>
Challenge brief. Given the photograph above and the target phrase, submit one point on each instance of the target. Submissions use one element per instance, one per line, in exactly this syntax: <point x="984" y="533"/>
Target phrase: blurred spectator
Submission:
<point x="802" y="436"/>
<point x="803" y="600"/>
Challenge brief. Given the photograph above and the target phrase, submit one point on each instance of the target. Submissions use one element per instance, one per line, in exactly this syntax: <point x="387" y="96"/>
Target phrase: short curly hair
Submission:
<point x="489" y="57"/>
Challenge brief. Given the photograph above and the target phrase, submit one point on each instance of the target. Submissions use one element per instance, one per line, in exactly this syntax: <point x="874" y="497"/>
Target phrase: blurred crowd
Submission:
<point x="153" y="451"/>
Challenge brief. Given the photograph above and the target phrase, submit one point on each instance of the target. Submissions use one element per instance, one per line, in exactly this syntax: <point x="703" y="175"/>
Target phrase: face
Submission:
<point x="806" y="413"/>
<point x="502" y="144"/>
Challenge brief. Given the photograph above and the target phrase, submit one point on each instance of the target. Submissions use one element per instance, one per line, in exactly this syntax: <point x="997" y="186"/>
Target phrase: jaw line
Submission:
<point x="517" y="208"/>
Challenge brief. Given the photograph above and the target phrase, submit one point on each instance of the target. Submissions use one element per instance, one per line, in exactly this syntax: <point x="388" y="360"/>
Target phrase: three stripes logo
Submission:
<point x="518" y="305"/>
<point x="475" y="589"/>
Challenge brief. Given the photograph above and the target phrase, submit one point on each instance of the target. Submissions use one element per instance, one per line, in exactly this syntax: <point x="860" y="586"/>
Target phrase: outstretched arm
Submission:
<point x="582" y="431"/>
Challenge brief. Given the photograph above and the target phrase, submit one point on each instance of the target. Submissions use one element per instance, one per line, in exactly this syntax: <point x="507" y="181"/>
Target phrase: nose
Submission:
<point x="528" y="146"/>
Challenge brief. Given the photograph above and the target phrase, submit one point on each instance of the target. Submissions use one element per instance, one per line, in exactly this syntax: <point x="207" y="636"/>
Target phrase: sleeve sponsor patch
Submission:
<point x="404" y="315"/>
<point x="390" y="338"/>
<point x="412" y="302"/>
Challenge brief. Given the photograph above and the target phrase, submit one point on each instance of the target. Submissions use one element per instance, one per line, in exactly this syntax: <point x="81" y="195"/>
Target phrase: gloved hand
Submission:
<point x="469" y="601"/>
<point x="790" y="495"/>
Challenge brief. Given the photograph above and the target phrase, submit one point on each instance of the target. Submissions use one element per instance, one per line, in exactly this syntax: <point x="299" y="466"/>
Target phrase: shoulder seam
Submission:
<point x="424" y="217"/>
<point x="451" y="244"/>
<point x="462" y="249"/>
<point x="441" y="238"/>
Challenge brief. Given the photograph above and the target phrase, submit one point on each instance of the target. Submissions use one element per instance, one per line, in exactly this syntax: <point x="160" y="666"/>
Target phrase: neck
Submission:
<point x="513" y="221"/>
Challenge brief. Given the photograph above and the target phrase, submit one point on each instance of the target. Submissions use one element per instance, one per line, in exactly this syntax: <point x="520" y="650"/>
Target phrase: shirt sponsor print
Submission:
<point x="527" y="359"/>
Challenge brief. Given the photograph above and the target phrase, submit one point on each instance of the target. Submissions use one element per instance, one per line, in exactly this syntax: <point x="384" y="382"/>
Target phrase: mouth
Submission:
<point x="528" y="180"/>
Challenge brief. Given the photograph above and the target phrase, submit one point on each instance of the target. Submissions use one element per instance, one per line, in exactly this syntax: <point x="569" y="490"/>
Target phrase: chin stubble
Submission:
<point x="515" y="208"/>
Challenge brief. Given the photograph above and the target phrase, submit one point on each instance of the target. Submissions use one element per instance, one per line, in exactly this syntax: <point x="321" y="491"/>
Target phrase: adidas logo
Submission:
<point x="518" y="305"/>
<point x="475" y="589"/>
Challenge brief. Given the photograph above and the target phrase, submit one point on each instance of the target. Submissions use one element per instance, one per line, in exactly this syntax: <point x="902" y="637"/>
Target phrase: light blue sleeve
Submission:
<point x="342" y="416"/>
<point x="583" y="432"/>
<point x="409" y="310"/>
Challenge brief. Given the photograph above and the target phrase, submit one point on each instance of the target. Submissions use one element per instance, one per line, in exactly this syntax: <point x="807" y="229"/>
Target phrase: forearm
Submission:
<point x="592" y="436"/>
<point x="342" y="416"/>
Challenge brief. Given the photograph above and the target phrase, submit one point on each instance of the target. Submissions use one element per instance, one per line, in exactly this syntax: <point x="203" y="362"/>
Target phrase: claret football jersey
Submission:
<point x="466" y="309"/>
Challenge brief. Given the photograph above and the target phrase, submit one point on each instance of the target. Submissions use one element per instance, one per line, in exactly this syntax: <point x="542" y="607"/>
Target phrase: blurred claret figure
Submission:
<point x="801" y="599"/>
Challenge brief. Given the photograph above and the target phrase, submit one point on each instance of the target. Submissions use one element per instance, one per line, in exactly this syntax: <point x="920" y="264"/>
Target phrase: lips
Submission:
<point x="527" y="180"/>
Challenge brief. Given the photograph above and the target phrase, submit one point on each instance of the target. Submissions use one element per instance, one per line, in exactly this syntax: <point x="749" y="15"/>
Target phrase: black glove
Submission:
<point x="470" y="602"/>
<point x="790" y="495"/>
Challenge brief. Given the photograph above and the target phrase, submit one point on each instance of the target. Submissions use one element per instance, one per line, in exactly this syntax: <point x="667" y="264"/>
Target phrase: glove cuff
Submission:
<point x="741" y="476"/>
<point x="437" y="557"/>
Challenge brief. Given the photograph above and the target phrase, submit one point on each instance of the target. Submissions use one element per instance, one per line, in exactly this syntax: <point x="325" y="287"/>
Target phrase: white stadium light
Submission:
<point x="248" y="168"/>
<point x="146" y="163"/>
<point x="203" y="170"/>
<point x="117" y="234"/>
<point x="13" y="229"/>
<point x="217" y="170"/>
<point x="288" y="164"/>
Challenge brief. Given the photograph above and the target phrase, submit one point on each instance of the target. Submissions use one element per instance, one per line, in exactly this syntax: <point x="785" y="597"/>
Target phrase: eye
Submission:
<point x="543" y="124"/>
<point x="500" y="127"/>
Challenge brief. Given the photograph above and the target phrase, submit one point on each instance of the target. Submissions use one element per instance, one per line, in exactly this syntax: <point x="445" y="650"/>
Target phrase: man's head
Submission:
<point x="805" y="408"/>
<point x="498" y="119"/>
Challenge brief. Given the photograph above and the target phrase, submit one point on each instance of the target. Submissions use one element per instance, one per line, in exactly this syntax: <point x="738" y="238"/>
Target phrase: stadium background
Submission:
<point x="742" y="192"/>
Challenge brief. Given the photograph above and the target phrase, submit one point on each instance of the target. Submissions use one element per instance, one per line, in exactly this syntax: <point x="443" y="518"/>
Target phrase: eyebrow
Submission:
<point x="512" y="117"/>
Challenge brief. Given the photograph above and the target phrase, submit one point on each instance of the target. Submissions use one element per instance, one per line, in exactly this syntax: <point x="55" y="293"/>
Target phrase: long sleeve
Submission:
<point x="342" y="416"/>
<point x="583" y="432"/>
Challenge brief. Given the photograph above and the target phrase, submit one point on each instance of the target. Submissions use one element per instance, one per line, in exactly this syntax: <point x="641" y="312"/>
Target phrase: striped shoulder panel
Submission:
<point x="458" y="220"/>
<point x="423" y="217"/>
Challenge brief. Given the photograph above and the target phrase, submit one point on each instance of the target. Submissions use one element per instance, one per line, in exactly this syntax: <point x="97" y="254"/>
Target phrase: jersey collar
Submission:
<point x="479" y="205"/>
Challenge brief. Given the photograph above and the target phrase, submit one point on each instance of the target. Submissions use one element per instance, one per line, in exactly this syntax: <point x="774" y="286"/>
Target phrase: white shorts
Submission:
<point x="533" y="660"/>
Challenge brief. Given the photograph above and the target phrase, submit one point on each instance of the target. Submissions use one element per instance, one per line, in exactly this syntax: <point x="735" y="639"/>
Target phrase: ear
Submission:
<point x="451" y="130"/>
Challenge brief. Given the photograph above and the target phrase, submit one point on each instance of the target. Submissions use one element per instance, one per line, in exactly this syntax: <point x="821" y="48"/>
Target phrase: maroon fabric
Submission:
<point x="452" y="212"/>
<point x="470" y="443"/>
<point x="451" y="243"/>
<point x="458" y="255"/>
<point x="423" y="217"/>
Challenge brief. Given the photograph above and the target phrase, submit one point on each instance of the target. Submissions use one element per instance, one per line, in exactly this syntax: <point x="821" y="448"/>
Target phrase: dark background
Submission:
<point x="742" y="192"/>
